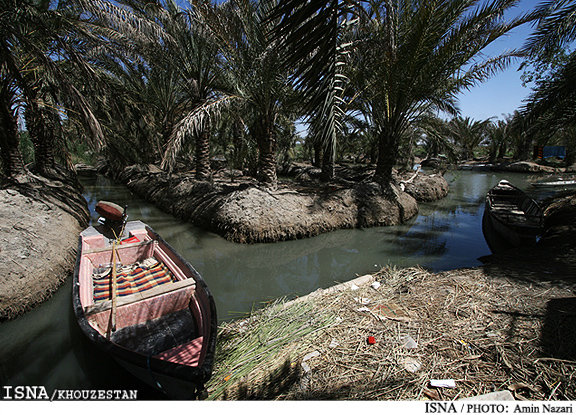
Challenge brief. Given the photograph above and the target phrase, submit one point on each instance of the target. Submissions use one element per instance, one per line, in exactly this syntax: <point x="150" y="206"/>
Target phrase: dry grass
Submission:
<point x="487" y="333"/>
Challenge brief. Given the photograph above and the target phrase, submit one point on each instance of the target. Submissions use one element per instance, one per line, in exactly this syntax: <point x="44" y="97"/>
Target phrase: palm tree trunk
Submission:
<point x="12" y="161"/>
<point x="202" y="155"/>
<point x="238" y="145"/>
<point x="266" y="155"/>
<point x="42" y="135"/>
<point x="317" y="161"/>
<point x="387" y="157"/>
<point x="328" y="160"/>
<point x="525" y="147"/>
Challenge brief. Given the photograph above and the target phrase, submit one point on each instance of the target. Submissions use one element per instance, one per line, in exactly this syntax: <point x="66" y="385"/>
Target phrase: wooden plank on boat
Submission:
<point x="132" y="298"/>
<point x="109" y="248"/>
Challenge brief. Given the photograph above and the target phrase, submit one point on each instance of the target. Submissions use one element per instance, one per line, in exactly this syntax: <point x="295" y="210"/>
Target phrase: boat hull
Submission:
<point x="175" y="379"/>
<point x="556" y="184"/>
<point x="511" y="219"/>
<point x="500" y="236"/>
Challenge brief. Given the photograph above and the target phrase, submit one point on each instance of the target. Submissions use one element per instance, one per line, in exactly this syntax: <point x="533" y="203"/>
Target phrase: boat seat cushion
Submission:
<point x="184" y="354"/>
<point x="134" y="280"/>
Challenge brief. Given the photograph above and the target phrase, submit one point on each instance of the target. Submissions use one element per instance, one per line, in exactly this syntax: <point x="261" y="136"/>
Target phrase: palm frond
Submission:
<point x="556" y="27"/>
<point x="555" y="98"/>
<point x="191" y="124"/>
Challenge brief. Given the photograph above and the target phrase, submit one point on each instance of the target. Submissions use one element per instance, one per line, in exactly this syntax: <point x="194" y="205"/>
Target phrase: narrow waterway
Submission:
<point x="45" y="347"/>
<point x="446" y="234"/>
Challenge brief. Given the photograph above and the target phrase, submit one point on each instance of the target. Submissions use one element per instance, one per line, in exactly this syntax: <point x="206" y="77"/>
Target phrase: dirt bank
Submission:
<point x="39" y="231"/>
<point x="241" y="211"/>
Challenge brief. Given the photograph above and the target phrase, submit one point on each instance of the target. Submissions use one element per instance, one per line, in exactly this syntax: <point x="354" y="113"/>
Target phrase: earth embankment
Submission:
<point x="244" y="212"/>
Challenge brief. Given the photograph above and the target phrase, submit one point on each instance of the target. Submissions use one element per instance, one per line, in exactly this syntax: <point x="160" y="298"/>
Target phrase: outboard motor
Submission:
<point x="113" y="217"/>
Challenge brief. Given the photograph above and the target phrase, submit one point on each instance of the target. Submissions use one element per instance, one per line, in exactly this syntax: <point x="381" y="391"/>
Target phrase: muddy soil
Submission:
<point x="39" y="228"/>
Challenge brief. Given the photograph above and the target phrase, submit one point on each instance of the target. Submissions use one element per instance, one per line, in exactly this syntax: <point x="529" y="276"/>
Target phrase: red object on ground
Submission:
<point x="371" y="340"/>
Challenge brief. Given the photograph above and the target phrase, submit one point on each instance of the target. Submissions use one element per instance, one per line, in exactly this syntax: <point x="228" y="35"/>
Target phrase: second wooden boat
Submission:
<point x="511" y="217"/>
<point x="555" y="183"/>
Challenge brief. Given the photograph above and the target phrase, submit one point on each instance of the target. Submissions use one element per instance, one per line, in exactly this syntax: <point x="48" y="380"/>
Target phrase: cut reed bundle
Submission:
<point x="263" y="345"/>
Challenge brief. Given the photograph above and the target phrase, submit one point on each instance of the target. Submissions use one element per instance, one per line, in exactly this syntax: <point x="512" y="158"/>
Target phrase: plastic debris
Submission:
<point x="443" y="383"/>
<point x="333" y="344"/>
<point x="309" y="356"/>
<point x="411" y="365"/>
<point x="375" y="285"/>
<point x="371" y="340"/>
<point x="390" y="311"/>
<point x="363" y="309"/>
<point x="362" y="300"/>
<point x="408" y="342"/>
<point x="354" y="287"/>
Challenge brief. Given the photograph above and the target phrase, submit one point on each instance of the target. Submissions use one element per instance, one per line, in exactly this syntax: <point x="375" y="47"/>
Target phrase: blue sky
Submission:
<point x="503" y="93"/>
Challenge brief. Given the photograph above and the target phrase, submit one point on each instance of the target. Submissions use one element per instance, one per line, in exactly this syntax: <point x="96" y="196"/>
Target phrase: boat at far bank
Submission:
<point x="137" y="299"/>
<point x="558" y="182"/>
<point x="511" y="218"/>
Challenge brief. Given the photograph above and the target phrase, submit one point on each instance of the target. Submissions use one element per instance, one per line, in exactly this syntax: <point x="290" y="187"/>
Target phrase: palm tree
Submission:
<point x="39" y="44"/>
<point x="435" y="136"/>
<point x="467" y="134"/>
<point x="257" y="78"/>
<point x="552" y="106"/>
<point x="194" y="55"/>
<point x="162" y="80"/>
<point x="411" y="57"/>
<point x="521" y="139"/>
<point x="499" y="135"/>
<point x="313" y="38"/>
<point x="417" y="56"/>
<point x="12" y="161"/>
<point x="555" y="27"/>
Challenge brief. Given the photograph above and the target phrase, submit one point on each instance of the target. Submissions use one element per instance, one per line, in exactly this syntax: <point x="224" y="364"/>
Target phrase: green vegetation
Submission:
<point x="258" y="83"/>
<point x="265" y="342"/>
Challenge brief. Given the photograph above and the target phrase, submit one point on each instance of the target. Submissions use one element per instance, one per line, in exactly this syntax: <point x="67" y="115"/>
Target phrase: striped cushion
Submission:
<point x="137" y="280"/>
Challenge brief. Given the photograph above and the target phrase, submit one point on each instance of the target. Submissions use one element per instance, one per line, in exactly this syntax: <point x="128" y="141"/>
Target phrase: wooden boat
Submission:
<point x="138" y="300"/>
<point x="511" y="218"/>
<point x="559" y="182"/>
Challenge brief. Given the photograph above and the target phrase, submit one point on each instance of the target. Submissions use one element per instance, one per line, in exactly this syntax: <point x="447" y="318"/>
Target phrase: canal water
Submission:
<point x="46" y="348"/>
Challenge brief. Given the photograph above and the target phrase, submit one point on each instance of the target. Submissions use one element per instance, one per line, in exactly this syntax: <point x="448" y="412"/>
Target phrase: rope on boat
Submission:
<point x="114" y="289"/>
<point x="117" y="238"/>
